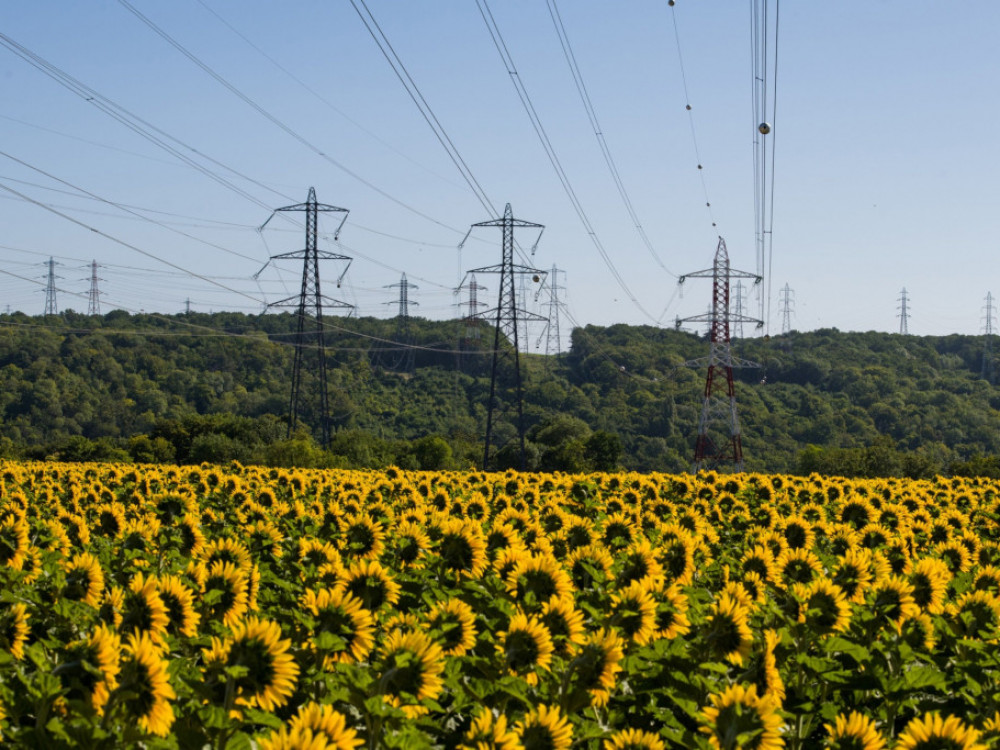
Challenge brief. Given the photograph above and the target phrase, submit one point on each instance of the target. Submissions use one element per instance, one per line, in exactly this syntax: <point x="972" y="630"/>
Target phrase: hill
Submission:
<point x="195" y="387"/>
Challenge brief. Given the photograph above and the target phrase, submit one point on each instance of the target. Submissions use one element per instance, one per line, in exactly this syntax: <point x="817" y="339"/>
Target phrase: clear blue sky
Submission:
<point x="887" y="170"/>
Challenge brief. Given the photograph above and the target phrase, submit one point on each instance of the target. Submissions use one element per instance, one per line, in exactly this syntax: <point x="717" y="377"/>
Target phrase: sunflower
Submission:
<point x="315" y="553"/>
<point x="931" y="731"/>
<point x="823" y="607"/>
<point x="976" y="614"/>
<point x="410" y="671"/>
<point x="676" y="558"/>
<point x="929" y="577"/>
<point x="738" y="718"/>
<point x="110" y="610"/>
<point x="633" y="611"/>
<point x="178" y="600"/>
<point x="854" y="732"/>
<point x="408" y="544"/>
<point x="14" y="542"/>
<point x="224" y="592"/>
<point x="264" y="540"/>
<point x="589" y="565"/>
<point x="143" y="610"/>
<point x="759" y="560"/>
<point x="564" y="623"/>
<point x="537" y="579"/>
<point x="892" y="598"/>
<point x="462" y="548"/>
<point x="271" y="671"/>
<point x="955" y="555"/>
<point x="489" y="733"/>
<point x="755" y="586"/>
<point x="84" y="579"/>
<point x="454" y="624"/>
<point x="595" y="665"/>
<point x="919" y="632"/>
<point x="89" y="668"/>
<point x="526" y="647"/>
<point x="371" y="583"/>
<point x="145" y="685"/>
<point x="726" y="632"/>
<point x="671" y="611"/>
<point x="633" y="739"/>
<point x="343" y="616"/>
<point x="797" y="566"/>
<point x="14" y="628"/>
<point x="638" y="563"/>
<point x="987" y="579"/>
<point x="544" y="728"/>
<point x="314" y="727"/>
<point x="361" y="538"/>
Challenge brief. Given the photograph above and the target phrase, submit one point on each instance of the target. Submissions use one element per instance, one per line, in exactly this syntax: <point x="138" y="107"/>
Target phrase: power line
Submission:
<point x="536" y="123"/>
<point x="272" y="118"/>
<point x="599" y="133"/>
<point x="690" y="111"/>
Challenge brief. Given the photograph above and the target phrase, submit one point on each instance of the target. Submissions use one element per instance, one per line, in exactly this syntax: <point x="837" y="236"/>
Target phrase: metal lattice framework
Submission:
<point x="399" y="355"/>
<point x="94" y="295"/>
<point x="309" y="304"/>
<point x="715" y="447"/>
<point x="988" y="370"/>
<point x="51" y="308"/>
<point x="506" y="388"/>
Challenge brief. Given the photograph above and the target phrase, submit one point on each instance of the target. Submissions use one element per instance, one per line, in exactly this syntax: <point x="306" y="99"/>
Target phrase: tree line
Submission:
<point x="215" y="387"/>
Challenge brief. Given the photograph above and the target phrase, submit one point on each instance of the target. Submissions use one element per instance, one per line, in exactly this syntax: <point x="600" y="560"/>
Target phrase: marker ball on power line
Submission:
<point x="670" y="3"/>
<point x="536" y="278"/>
<point x="688" y="107"/>
<point x="764" y="128"/>
<point x="699" y="166"/>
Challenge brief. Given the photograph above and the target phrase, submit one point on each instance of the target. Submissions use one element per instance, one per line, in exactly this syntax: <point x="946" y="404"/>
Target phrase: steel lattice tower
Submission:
<point x="904" y="312"/>
<point x="94" y="296"/>
<point x="473" y="304"/>
<point x="404" y="360"/>
<point x="740" y="307"/>
<point x="507" y="317"/>
<point x="787" y="301"/>
<point x="553" y="340"/>
<point x="712" y="447"/>
<point x="988" y="373"/>
<point x="309" y="337"/>
<point x="51" y="308"/>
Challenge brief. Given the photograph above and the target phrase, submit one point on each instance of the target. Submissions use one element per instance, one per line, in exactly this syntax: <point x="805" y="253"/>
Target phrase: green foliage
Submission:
<point x="117" y="388"/>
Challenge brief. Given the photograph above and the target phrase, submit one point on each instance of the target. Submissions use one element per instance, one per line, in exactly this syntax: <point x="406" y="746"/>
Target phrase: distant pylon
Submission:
<point x="506" y="315"/>
<point x="309" y="337"/>
<point x="553" y="340"/>
<point x="904" y="312"/>
<point x="187" y="306"/>
<point x="787" y="302"/>
<point x="739" y="308"/>
<point x="51" y="308"/>
<point x="714" y="447"/>
<point x="402" y="358"/>
<point x="472" y="308"/>
<point x="94" y="296"/>
<point x="988" y="373"/>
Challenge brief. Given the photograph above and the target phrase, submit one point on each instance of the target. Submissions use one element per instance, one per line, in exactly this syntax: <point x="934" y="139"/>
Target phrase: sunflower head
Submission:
<point x="544" y="728"/>
<point x="526" y="647"/>
<point x="489" y="732"/>
<point x="932" y="731"/>
<point x="727" y="633"/>
<point x="853" y="732"/>
<point x="145" y="685"/>
<point x="410" y="671"/>
<point x="738" y="717"/>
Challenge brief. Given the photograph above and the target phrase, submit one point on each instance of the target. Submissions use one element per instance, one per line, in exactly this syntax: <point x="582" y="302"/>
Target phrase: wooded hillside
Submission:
<point x="198" y="387"/>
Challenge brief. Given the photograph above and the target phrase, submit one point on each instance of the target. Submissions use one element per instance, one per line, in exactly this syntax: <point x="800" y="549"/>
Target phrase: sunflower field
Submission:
<point x="243" y="607"/>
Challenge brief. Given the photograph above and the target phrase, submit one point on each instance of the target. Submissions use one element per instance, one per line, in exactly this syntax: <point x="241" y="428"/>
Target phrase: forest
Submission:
<point x="195" y="387"/>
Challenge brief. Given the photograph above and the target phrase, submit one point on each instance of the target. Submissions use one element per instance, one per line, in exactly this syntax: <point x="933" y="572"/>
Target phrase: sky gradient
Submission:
<point x="887" y="162"/>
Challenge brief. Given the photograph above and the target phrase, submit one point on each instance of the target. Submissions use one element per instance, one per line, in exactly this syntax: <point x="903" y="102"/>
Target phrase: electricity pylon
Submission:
<point x="51" y="308"/>
<point x="506" y="389"/>
<point x="787" y="302"/>
<point x="904" y="312"/>
<point x="715" y="447"/>
<point x="309" y="338"/>
<point x="553" y="340"/>
<point x="403" y="359"/>
<point x="94" y="295"/>
<point x="988" y="373"/>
